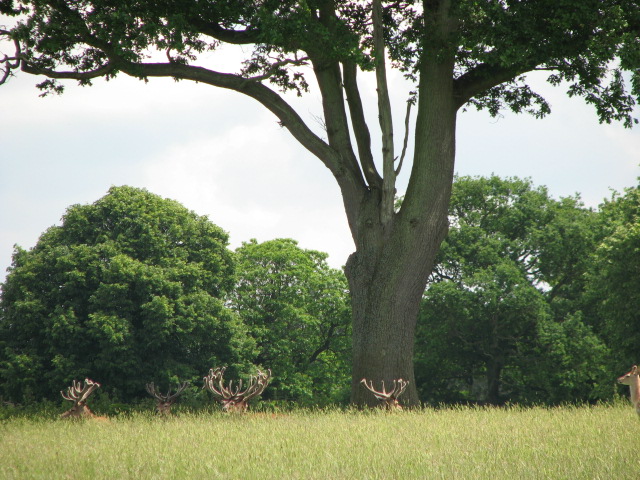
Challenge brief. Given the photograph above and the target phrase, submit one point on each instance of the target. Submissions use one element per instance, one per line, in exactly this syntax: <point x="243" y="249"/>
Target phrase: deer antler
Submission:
<point x="235" y="398"/>
<point x="78" y="394"/>
<point x="388" y="399"/>
<point x="169" y="397"/>
<point x="164" y="402"/>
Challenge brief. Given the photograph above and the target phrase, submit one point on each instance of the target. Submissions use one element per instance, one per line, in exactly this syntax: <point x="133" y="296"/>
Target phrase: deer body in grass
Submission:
<point x="164" y="402"/>
<point x="388" y="400"/>
<point x="235" y="398"/>
<point x="78" y="393"/>
<point x="632" y="379"/>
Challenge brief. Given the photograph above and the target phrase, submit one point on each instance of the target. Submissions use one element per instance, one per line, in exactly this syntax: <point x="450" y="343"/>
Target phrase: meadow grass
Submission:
<point x="451" y="443"/>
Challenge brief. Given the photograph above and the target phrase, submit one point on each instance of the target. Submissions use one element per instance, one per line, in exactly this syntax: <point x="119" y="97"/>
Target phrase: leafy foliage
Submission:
<point x="126" y="291"/>
<point x="567" y="363"/>
<point x="613" y="281"/>
<point x="296" y="308"/>
<point x="577" y="42"/>
<point x="504" y="298"/>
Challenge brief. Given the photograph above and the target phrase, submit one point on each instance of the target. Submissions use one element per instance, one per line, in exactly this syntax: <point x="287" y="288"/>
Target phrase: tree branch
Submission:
<point x="384" y="115"/>
<point x="330" y="83"/>
<point x="325" y="344"/>
<point x="406" y="136"/>
<point x="271" y="100"/>
<point x="88" y="75"/>
<point x="360" y="128"/>
<point x="350" y="184"/>
<point x="273" y="68"/>
<point x="10" y="63"/>
<point x="482" y="78"/>
<point x="235" y="37"/>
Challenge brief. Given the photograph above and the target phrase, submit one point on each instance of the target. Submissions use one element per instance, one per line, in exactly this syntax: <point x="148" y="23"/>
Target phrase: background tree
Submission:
<point x="613" y="281"/>
<point x="565" y="246"/>
<point x="297" y="309"/>
<point x="487" y="319"/>
<point x="458" y="52"/>
<point x="126" y="291"/>
<point x="491" y="328"/>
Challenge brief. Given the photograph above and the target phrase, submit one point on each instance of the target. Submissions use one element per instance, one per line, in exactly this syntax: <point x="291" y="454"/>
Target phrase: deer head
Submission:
<point x="388" y="400"/>
<point x="164" y="402"/>
<point x="78" y="394"/>
<point x="628" y="378"/>
<point x="235" y="398"/>
<point x="632" y="378"/>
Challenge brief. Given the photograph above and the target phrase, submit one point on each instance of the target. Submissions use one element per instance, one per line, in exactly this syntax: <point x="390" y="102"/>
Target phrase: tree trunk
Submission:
<point x="385" y="311"/>
<point x="388" y="272"/>
<point x="494" y="370"/>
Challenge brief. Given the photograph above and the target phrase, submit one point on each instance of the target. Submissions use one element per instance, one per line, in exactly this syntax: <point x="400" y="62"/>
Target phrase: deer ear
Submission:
<point x="634" y="369"/>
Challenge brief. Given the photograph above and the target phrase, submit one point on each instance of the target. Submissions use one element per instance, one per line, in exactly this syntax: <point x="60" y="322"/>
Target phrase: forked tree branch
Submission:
<point x="9" y="63"/>
<point x="329" y="80"/>
<point x="273" y="68"/>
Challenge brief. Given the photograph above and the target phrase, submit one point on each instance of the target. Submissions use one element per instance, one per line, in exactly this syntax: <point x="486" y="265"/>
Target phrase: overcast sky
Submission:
<point x="224" y="156"/>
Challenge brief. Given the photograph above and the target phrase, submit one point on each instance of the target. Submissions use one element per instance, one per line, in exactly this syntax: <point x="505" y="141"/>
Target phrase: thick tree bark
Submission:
<point x="389" y="270"/>
<point x="385" y="301"/>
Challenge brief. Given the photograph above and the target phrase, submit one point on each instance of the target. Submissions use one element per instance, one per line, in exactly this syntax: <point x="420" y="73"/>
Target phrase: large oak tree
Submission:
<point x="458" y="53"/>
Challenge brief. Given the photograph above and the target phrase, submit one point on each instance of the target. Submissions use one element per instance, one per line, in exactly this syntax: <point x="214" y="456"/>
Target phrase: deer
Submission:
<point x="235" y="399"/>
<point x="632" y="378"/>
<point x="388" y="400"/>
<point x="164" y="402"/>
<point x="78" y="394"/>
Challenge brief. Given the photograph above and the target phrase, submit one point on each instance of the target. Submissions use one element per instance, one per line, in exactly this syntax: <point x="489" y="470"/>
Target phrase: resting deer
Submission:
<point x="235" y="399"/>
<point x="388" y="400"/>
<point x="632" y="378"/>
<point x="78" y="394"/>
<point x="164" y="402"/>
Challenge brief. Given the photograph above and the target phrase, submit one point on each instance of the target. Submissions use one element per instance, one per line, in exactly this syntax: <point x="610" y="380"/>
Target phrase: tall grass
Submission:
<point x="457" y="443"/>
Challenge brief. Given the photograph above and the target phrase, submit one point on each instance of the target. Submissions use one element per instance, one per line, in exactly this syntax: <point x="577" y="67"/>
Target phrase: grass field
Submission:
<point x="458" y="443"/>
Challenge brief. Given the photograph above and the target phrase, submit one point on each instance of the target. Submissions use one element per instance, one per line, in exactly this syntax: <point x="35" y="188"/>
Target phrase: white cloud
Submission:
<point x="255" y="182"/>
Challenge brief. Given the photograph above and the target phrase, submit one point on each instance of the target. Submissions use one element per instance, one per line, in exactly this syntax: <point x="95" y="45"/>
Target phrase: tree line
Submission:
<point x="455" y="54"/>
<point x="531" y="300"/>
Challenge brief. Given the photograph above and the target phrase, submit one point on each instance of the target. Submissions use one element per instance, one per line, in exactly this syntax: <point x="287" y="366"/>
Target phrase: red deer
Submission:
<point x="632" y="379"/>
<point x="388" y="400"/>
<point x="78" y="394"/>
<point x="235" y="399"/>
<point x="164" y="402"/>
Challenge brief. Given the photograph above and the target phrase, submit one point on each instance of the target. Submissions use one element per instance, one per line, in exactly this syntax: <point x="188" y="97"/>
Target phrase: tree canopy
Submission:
<point x="296" y="308"/>
<point x="501" y="320"/>
<point x="126" y="291"/>
<point x="613" y="279"/>
<point x="459" y="53"/>
<point x="492" y="44"/>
